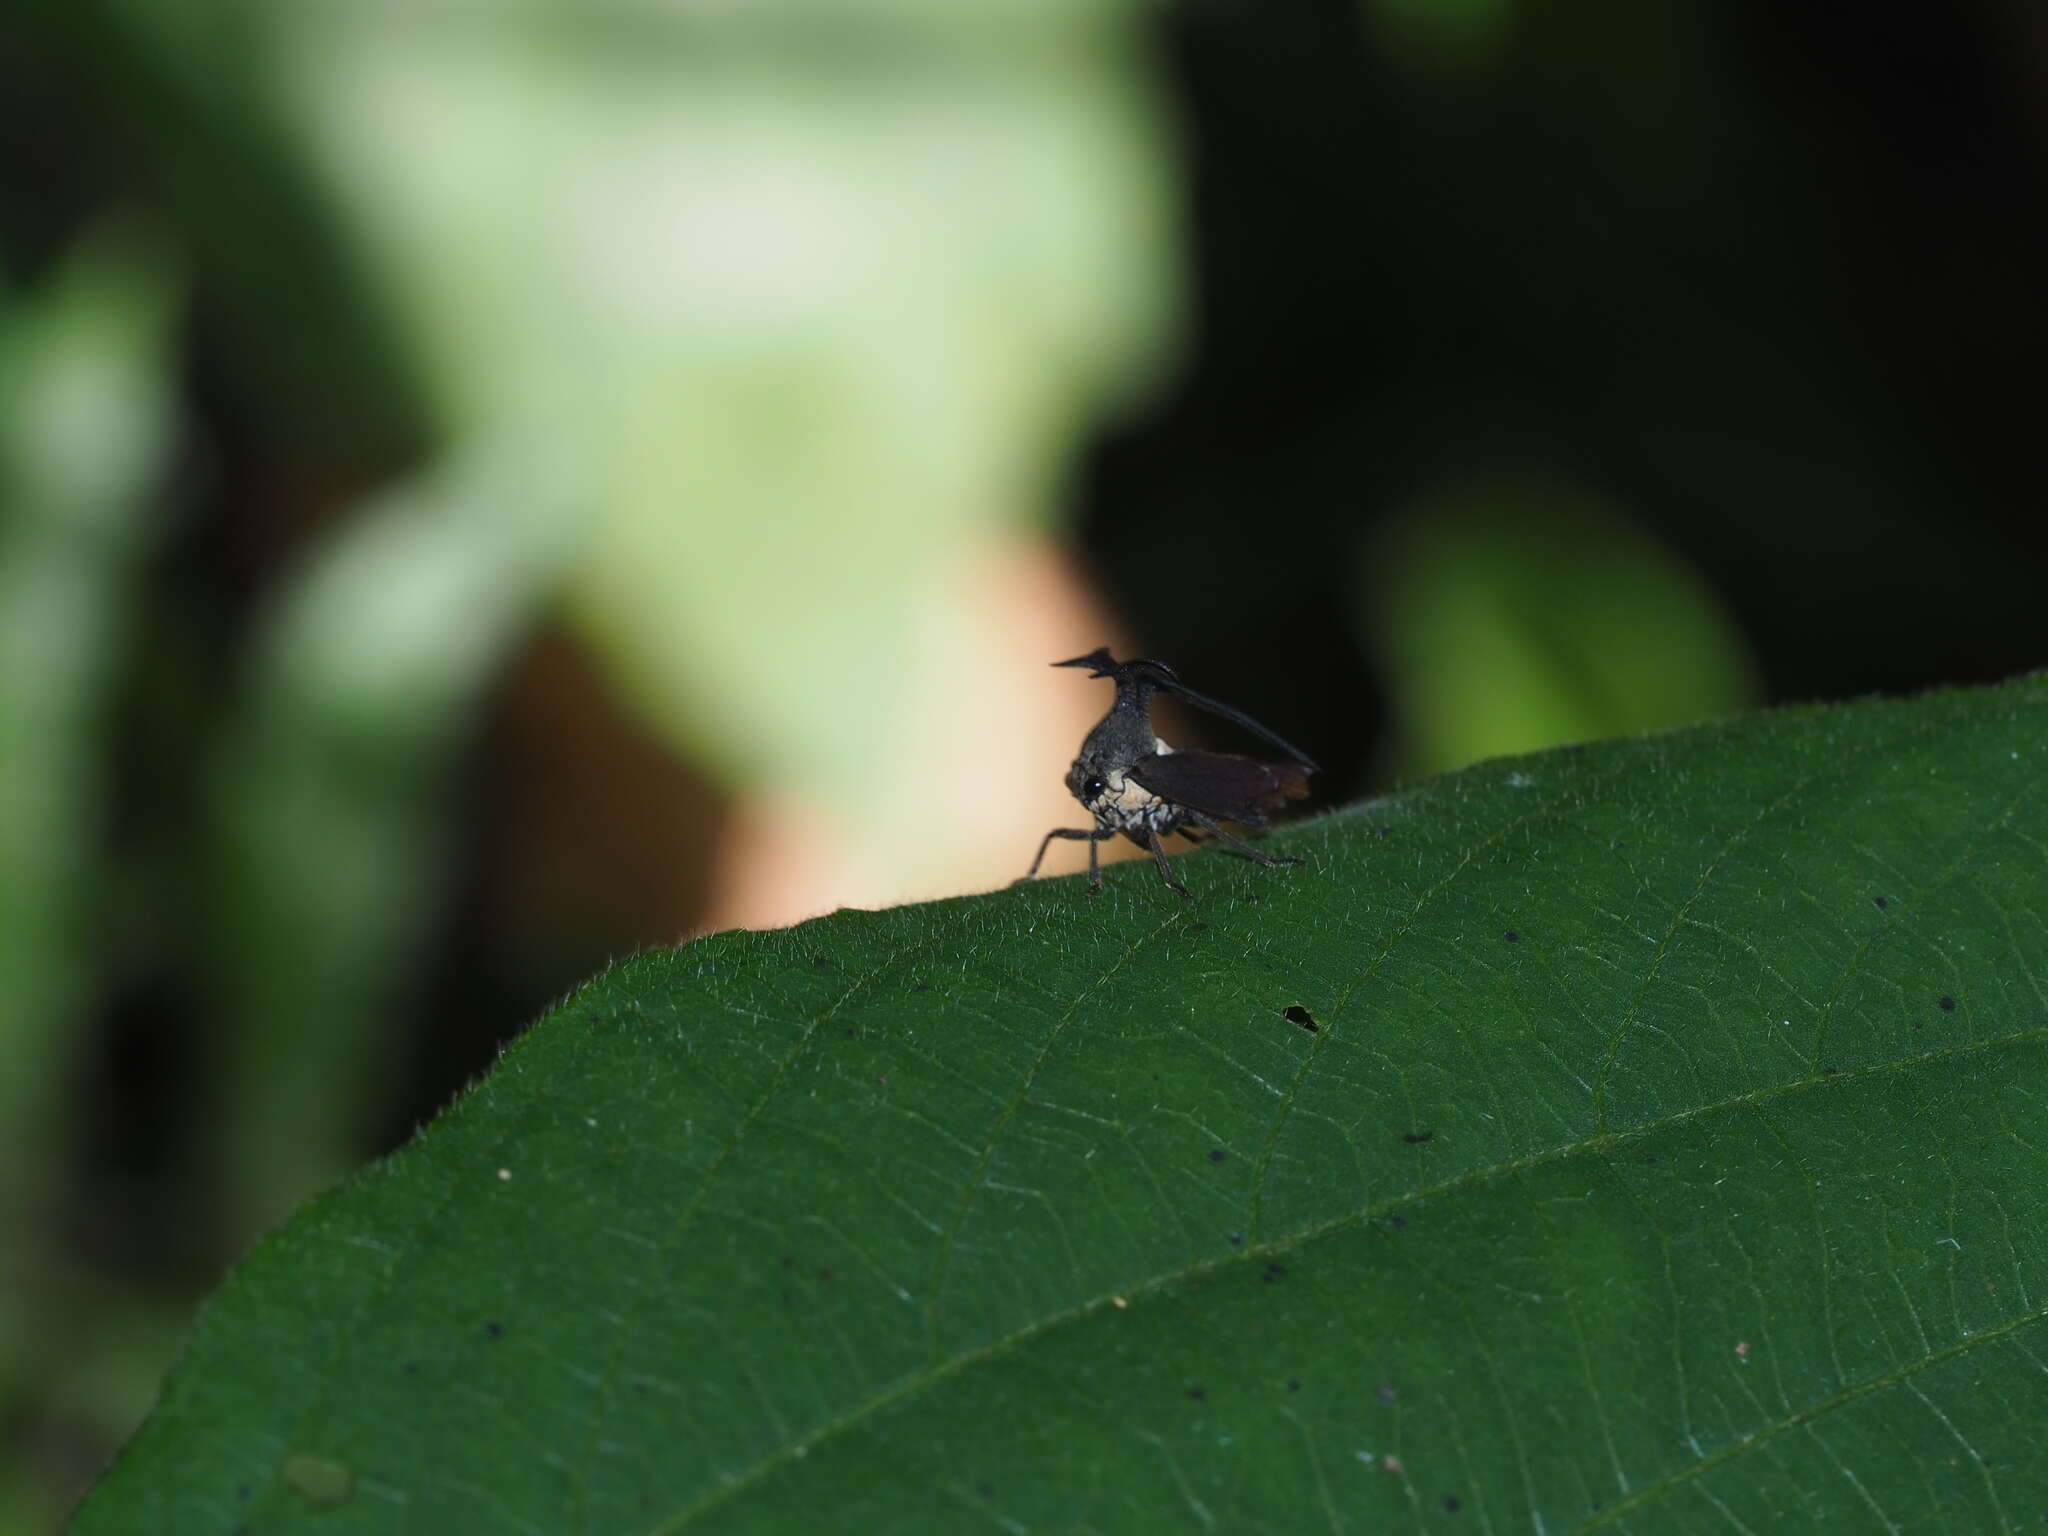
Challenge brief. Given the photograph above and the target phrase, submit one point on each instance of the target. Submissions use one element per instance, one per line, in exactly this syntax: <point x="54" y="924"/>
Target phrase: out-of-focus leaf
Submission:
<point x="86" y="424"/>
<point x="1517" y="612"/>
<point x="825" y="291"/>
<point x="1638" y="1137"/>
<point x="86" y="417"/>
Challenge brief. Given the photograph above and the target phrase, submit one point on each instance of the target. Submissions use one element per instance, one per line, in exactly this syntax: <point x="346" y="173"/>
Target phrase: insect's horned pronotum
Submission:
<point x="1132" y="782"/>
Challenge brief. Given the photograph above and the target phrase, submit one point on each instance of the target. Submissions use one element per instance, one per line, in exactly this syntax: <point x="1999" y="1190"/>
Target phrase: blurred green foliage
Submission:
<point x="87" y="416"/>
<point x="1517" y="612"/>
<point x="326" y="833"/>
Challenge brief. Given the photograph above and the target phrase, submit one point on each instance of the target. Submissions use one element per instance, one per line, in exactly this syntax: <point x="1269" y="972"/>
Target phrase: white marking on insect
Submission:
<point x="1126" y="805"/>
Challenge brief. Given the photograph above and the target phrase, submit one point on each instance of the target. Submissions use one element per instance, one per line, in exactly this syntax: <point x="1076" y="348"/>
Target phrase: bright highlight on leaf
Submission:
<point x="1578" y="1143"/>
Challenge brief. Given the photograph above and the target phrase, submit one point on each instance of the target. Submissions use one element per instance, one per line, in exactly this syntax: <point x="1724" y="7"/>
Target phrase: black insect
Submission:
<point x="1132" y="782"/>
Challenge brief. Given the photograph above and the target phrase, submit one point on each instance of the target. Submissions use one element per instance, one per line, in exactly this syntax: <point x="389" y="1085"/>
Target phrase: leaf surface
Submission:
<point x="1640" y="1137"/>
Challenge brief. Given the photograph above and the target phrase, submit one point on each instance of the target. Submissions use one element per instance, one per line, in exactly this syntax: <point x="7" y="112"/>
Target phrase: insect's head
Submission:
<point x="1085" y="782"/>
<point x="1139" y="668"/>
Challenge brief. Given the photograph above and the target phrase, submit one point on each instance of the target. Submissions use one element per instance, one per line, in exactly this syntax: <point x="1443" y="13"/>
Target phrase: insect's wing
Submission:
<point x="1221" y="784"/>
<point x="1175" y="686"/>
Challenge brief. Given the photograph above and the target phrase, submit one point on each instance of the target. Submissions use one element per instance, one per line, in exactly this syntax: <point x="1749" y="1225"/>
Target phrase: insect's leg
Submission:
<point x="1095" y="860"/>
<point x="1094" y="836"/>
<point x="1159" y="857"/>
<point x="1238" y="843"/>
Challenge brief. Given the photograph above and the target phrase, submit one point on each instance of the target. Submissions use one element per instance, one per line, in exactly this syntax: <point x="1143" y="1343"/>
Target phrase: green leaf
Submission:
<point x="1512" y="611"/>
<point x="1639" y="1137"/>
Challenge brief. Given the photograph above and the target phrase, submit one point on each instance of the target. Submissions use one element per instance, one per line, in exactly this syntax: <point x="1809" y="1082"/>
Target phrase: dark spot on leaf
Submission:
<point x="1216" y="1154"/>
<point x="495" y="1330"/>
<point x="1274" y="1272"/>
<point x="825" y="1275"/>
<point x="986" y="1490"/>
<point x="920" y="987"/>
<point x="1649" y="1157"/>
<point x="412" y="1367"/>
<point x="1382" y="831"/>
<point x="1830" y="1071"/>
<point x="1451" y="1503"/>
<point x="1294" y="1386"/>
<point x="1237" y="1239"/>
<point x="1617" y="843"/>
<point x="1414" y="1137"/>
<point x="1196" y="1394"/>
<point x="789" y="1261"/>
<point x="1882" y="902"/>
<point x="1512" y="937"/>
<point x="852" y="1033"/>
<point x="1948" y="1005"/>
<point x="785" y="1299"/>
<point x="1297" y="1014"/>
<point x="1198" y="927"/>
<point x="1397" y="1221"/>
<point x="820" y="961"/>
<point x="639" y="1386"/>
<point x="1916" y="1023"/>
<point x="1387" y="1394"/>
<point x="242" y="1492"/>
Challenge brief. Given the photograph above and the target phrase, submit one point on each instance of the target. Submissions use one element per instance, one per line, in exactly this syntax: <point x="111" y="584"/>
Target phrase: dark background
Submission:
<point x="1775" y="283"/>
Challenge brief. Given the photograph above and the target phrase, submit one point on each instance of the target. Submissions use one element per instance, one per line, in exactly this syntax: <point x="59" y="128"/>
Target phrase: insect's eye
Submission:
<point x="1092" y="788"/>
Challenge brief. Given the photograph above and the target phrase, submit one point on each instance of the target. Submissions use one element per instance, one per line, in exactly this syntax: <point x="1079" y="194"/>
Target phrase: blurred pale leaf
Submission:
<point x="1636" y="1137"/>
<point x="821" y="292"/>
